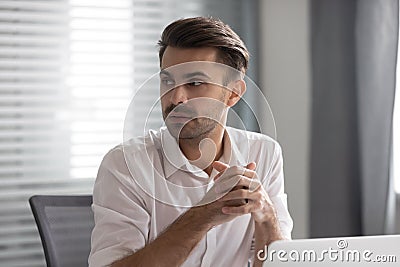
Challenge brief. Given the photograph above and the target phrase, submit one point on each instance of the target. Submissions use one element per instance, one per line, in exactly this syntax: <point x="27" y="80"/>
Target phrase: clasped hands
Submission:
<point x="238" y="191"/>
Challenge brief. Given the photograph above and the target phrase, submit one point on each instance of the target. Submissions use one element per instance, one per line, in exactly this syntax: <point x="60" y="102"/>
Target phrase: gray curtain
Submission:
<point x="354" y="48"/>
<point x="245" y="23"/>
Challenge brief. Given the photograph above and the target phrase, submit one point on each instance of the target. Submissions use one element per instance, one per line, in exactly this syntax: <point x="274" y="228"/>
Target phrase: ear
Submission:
<point x="238" y="88"/>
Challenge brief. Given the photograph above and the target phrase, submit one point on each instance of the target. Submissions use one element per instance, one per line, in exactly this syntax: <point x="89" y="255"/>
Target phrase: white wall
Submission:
<point x="285" y="79"/>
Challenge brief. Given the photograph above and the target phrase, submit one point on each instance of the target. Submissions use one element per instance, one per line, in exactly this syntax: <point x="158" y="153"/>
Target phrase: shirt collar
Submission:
<point x="175" y="160"/>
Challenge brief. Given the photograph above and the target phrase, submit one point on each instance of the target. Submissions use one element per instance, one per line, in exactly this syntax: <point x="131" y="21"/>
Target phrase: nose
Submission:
<point x="179" y="95"/>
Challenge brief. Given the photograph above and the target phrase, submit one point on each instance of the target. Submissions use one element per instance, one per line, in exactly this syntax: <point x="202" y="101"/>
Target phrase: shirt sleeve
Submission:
<point x="276" y="191"/>
<point x="274" y="185"/>
<point x="121" y="219"/>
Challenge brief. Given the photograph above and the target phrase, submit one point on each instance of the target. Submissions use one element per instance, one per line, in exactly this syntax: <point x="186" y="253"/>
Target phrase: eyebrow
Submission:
<point x="164" y="72"/>
<point x="196" y="73"/>
<point x="187" y="75"/>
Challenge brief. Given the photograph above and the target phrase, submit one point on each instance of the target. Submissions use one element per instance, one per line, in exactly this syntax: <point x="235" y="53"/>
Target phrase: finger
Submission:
<point x="223" y="186"/>
<point x="238" y="170"/>
<point x="241" y="194"/>
<point x="249" y="173"/>
<point x="233" y="170"/>
<point x="239" y="210"/>
<point x="248" y="183"/>
<point x="251" y="166"/>
<point x="236" y="183"/>
<point x="232" y="183"/>
<point x="217" y="176"/>
<point x="219" y="166"/>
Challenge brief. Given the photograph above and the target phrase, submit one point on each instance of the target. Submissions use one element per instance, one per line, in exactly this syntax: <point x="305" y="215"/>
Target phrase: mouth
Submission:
<point x="176" y="117"/>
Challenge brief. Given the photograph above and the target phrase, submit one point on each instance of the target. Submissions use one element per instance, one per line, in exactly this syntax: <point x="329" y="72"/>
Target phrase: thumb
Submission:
<point x="219" y="166"/>
<point x="251" y="166"/>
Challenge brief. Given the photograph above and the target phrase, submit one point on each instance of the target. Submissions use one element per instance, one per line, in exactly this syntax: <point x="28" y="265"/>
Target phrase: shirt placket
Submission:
<point x="211" y="244"/>
<point x="210" y="237"/>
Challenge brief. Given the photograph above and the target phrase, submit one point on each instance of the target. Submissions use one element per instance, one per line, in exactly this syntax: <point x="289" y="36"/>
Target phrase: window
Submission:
<point x="99" y="79"/>
<point x="68" y="69"/>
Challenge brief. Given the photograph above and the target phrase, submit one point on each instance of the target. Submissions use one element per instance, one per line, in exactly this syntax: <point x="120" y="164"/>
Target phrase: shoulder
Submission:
<point x="138" y="147"/>
<point x="253" y="139"/>
<point x="129" y="165"/>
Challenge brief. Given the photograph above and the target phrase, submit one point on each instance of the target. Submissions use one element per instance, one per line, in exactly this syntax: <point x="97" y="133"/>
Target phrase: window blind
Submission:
<point x="68" y="70"/>
<point x="33" y="141"/>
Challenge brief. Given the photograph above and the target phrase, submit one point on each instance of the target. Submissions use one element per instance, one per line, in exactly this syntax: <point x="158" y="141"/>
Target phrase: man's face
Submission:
<point x="193" y="97"/>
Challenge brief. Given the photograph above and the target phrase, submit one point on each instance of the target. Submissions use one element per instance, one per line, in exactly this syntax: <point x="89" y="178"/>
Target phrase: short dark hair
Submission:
<point x="206" y="32"/>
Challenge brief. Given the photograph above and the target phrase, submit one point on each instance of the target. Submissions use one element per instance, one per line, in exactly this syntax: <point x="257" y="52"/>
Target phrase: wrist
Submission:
<point x="269" y="230"/>
<point x="199" y="219"/>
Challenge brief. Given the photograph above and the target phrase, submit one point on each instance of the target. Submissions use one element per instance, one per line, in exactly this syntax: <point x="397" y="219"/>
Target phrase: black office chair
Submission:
<point x="65" y="225"/>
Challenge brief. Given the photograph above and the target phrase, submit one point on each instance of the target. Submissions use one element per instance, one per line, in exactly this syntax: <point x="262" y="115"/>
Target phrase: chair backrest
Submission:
<point x="65" y="225"/>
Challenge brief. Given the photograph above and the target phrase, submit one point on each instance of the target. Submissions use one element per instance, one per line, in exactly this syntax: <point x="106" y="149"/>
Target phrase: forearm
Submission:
<point x="265" y="234"/>
<point x="173" y="246"/>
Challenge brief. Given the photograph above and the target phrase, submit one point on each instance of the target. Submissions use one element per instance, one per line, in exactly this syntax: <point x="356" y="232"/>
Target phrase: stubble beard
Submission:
<point x="200" y="126"/>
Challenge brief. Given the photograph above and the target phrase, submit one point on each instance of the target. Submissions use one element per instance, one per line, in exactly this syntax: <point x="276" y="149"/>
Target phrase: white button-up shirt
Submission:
<point x="145" y="184"/>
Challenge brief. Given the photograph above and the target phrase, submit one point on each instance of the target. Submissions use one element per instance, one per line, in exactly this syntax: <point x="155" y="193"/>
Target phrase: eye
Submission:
<point x="196" y="83"/>
<point x="167" y="82"/>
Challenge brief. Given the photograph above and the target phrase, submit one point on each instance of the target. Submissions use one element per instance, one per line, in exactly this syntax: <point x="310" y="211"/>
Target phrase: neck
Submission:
<point x="204" y="150"/>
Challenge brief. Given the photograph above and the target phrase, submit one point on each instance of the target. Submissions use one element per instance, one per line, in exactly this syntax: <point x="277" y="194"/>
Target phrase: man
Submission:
<point x="186" y="195"/>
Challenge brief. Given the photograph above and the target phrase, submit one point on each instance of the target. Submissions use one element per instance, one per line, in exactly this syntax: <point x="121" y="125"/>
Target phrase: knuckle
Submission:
<point x="247" y="208"/>
<point x="236" y="169"/>
<point x="240" y="179"/>
<point x="255" y="186"/>
<point x="258" y="195"/>
<point x="243" y="193"/>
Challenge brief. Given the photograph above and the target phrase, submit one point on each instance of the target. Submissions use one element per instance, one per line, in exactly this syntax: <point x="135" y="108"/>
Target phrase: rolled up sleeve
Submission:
<point x="121" y="219"/>
<point x="274" y="185"/>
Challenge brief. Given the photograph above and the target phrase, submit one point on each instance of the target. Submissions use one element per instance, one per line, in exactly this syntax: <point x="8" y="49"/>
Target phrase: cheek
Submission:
<point x="164" y="106"/>
<point x="164" y="89"/>
<point x="164" y="99"/>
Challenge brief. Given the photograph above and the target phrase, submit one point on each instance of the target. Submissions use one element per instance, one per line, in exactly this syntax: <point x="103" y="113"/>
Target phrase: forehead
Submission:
<point x="174" y="56"/>
<point x="185" y="63"/>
